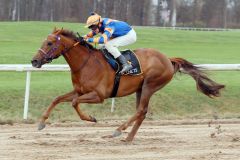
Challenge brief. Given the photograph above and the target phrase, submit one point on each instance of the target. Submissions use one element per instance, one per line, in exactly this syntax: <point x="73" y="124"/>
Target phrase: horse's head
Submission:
<point x="52" y="47"/>
<point x="57" y="43"/>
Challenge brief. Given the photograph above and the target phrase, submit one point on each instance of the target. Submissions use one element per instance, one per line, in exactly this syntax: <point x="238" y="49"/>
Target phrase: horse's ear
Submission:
<point x="54" y="29"/>
<point x="59" y="31"/>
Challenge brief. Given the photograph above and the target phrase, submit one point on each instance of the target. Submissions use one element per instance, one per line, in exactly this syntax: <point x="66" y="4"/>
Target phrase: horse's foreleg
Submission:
<point x="91" y="97"/>
<point x="82" y="115"/>
<point x="63" y="98"/>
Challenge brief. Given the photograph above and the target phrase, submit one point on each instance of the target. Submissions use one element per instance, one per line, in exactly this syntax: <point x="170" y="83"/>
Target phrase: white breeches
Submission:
<point x="112" y="45"/>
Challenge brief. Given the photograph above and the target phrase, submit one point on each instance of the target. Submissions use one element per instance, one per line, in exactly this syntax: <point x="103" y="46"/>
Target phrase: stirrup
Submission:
<point x="126" y="68"/>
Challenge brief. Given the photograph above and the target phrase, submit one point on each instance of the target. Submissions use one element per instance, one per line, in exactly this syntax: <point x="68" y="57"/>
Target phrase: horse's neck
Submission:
<point x="77" y="58"/>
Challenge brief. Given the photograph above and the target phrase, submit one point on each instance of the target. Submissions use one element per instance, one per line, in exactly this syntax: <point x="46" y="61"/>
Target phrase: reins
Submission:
<point x="68" y="49"/>
<point x="80" y="41"/>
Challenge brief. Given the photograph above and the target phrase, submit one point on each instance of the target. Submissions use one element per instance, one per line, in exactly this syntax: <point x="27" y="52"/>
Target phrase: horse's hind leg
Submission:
<point x="138" y="117"/>
<point x="124" y="126"/>
<point x="147" y="92"/>
<point x="149" y="87"/>
<point x="135" y="127"/>
<point x="142" y="107"/>
<point x="118" y="132"/>
<point x="143" y="98"/>
<point x="63" y="98"/>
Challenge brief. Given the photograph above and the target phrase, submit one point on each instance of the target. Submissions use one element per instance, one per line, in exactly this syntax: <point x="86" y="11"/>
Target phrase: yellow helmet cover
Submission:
<point x="94" y="19"/>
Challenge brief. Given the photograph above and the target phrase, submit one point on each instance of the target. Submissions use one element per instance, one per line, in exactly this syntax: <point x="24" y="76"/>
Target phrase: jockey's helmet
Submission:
<point x="94" y="19"/>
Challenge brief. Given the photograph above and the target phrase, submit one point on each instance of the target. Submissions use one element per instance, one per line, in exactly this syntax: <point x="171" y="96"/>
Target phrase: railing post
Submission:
<point x="112" y="108"/>
<point x="27" y="90"/>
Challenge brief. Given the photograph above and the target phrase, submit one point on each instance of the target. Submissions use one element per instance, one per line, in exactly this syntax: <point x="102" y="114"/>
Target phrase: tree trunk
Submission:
<point x="173" y="8"/>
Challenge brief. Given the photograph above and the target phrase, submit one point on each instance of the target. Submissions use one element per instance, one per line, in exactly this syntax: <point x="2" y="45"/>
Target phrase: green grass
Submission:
<point x="20" y="41"/>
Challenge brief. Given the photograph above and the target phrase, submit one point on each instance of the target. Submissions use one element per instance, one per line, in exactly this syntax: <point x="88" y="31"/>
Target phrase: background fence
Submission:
<point x="56" y="68"/>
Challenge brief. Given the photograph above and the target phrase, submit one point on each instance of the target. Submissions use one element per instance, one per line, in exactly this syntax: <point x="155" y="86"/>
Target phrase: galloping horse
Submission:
<point x="93" y="77"/>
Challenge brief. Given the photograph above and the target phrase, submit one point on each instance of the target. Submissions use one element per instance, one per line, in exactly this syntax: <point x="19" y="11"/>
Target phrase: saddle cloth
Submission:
<point x="130" y="57"/>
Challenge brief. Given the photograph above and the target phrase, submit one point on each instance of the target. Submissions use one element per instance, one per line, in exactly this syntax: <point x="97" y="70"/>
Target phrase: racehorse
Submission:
<point x="93" y="77"/>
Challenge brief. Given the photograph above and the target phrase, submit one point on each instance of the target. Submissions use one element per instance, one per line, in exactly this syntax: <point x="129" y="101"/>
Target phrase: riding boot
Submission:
<point x="125" y="65"/>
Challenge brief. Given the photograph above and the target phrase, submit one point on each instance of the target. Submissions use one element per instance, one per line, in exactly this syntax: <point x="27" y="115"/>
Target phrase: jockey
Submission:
<point x="114" y="34"/>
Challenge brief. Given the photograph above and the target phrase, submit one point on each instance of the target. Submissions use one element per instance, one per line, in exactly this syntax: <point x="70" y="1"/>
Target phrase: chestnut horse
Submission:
<point x="93" y="77"/>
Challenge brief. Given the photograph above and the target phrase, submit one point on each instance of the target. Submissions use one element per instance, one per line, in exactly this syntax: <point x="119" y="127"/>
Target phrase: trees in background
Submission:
<point x="214" y="13"/>
<point x="235" y="14"/>
<point x="193" y="13"/>
<point x="173" y="12"/>
<point x="208" y="13"/>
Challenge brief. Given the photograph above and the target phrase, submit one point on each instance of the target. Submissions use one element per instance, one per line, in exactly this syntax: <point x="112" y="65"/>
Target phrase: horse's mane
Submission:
<point x="73" y="36"/>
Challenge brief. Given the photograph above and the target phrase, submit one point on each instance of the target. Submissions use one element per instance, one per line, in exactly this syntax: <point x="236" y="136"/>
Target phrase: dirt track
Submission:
<point x="155" y="140"/>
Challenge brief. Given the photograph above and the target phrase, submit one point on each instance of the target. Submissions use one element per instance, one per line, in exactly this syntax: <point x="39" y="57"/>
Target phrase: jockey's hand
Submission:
<point x="80" y="38"/>
<point x="85" y="38"/>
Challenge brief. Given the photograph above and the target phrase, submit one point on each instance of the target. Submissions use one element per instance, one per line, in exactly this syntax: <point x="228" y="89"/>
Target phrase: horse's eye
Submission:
<point x="49" y="43"/>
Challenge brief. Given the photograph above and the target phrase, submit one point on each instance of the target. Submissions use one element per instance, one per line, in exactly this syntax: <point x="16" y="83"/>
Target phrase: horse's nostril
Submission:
<point x="35" y="63"/>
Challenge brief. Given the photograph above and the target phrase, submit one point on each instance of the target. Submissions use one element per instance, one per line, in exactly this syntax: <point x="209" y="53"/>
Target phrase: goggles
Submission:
<point x="93" y="27"/>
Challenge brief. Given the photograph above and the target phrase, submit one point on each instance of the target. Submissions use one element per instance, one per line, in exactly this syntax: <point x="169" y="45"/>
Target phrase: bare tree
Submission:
<point x="158" y="13"/>
<point x="173" y="12"/>
<point x="214" y="13"/>
<point x="197" y="7"/>
<point x="204" y="13"/>
<point x="236" y="12"/>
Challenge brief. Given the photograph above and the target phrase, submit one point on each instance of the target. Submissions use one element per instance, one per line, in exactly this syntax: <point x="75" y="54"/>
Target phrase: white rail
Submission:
<point x="28" y="68"/>
<point x="190" y="28"/>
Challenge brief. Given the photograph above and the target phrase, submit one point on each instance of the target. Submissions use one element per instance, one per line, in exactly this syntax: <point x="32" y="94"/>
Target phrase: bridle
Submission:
<point x="48" y="56"/>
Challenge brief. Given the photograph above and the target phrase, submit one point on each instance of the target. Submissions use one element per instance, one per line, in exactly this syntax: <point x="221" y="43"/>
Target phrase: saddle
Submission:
<point x="131" y="58"/>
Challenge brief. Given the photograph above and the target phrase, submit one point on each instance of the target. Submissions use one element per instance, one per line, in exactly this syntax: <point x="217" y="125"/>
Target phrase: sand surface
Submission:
<point x="155" y="140"/>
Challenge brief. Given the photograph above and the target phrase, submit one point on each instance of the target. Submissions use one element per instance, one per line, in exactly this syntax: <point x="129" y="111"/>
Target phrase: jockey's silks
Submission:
<point x="110" y="29"/>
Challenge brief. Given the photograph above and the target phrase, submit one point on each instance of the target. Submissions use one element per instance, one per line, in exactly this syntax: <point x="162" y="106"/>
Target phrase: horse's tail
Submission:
<point x="204" y="84"/>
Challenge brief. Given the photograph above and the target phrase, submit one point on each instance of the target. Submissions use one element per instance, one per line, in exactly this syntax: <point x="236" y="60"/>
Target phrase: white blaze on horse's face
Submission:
<point x="49" y="50"/>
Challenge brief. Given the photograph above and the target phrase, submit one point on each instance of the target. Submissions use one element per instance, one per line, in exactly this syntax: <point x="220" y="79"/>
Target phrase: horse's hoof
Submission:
<point x="116" y="133"/>
<point x="108" y="136"/>
<point x="74" y="103"/>
<point x="93" y="119"/>
<point x="126" y="140"/>
<point x="41" y="126"/>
